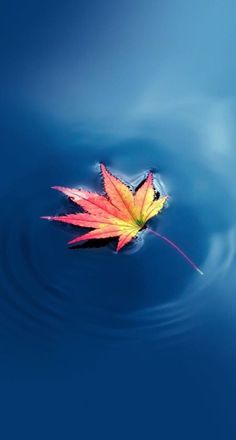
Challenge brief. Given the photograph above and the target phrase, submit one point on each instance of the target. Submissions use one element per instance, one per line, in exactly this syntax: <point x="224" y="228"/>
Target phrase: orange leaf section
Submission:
<point x="119" y="194"/>
<point x="92" y="203"/>
<point x="144" y="196"/>
<point x="119" y="213"/>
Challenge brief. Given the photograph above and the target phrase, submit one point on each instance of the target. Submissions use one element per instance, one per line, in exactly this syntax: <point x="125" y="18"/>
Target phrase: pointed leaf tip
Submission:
<point x="144" y="196"/>
<point x="118" y="193"/>
<point x="125" y="238"/>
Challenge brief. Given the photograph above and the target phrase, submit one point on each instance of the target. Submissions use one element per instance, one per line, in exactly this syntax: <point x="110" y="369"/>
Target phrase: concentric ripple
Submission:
<point x="50" y="290"/>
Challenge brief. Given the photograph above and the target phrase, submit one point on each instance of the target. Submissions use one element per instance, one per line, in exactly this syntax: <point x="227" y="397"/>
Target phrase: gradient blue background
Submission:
<point x="94" y="345"/>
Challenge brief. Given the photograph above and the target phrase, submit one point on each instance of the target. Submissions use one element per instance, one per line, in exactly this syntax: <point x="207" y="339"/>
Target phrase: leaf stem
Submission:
<point x="171" y="243"/>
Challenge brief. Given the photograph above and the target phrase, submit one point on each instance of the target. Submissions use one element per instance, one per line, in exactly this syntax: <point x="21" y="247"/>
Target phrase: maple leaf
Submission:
<point x="121" y="212"/>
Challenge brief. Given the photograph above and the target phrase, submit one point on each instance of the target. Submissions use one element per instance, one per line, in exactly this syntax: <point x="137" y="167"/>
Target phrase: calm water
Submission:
<point x="95" y="344"/>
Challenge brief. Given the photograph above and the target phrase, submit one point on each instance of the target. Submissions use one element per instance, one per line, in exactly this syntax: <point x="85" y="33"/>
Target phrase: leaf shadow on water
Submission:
<point x="90" y="244"/>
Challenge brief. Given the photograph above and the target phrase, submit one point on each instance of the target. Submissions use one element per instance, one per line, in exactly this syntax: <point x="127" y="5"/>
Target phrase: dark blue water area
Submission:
<point x="114" y="342"/>
<point x="95" y="344"/>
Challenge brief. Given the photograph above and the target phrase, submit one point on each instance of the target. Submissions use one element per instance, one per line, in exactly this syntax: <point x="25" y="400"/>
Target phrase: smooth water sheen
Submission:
<point x="95" y="344"/>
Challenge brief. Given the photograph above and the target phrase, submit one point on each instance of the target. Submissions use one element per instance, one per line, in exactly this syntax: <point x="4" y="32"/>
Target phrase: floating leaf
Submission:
<point x="121" y="212"/>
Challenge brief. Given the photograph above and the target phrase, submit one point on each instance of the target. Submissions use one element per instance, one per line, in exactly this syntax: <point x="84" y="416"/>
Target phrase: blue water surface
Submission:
<point x="135" y="345"/>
